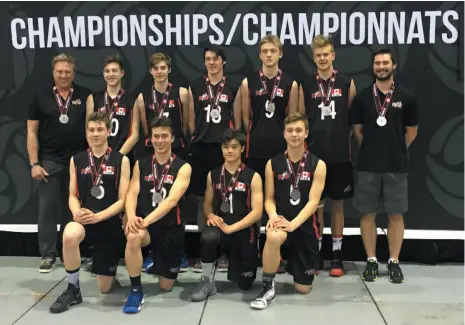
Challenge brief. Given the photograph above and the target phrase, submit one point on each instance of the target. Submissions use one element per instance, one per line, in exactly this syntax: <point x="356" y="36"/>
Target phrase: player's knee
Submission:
<point x="210" y="237"/>
<point x="166" y="284"/>
<point x="275" y="238"/>
<point x="73" y="234"/>
<point x="133" y="242"/>
<point x="396" y="218"/>
<point x="105" y="287"/>
<point x="303" y="288"/>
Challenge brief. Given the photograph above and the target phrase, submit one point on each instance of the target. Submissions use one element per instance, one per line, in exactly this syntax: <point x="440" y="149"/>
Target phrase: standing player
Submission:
<point x="326" y="99"/>
<point x="119" y="105"/>
<point x="294" y="182"/>
<point x="233" y="205"/>
<point x="164" y="99"/>
<point x="99" y="180"/>
<point x="214" y="106"/>
<point x="385" y="122"/>
<point x="152" y="207"/>
<point x="55" y="131"/>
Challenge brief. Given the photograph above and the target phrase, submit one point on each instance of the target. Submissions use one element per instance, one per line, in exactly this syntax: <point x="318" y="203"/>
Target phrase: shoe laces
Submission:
<point x="394" y="268"/>
<point x="133" y="299"/>
<point x="68" y="294"/>
<point x="47" y="260"/>
<point x="267" y="287"/>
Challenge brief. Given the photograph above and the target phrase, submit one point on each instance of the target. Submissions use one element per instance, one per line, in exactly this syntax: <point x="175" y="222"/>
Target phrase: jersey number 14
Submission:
<point x="329" y="110"/>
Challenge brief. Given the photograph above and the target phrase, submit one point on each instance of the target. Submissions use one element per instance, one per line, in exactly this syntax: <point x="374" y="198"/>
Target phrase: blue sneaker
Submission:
<point x="148" y="263"/>
<point x="184" y="267"/>
<point x="135" y="301"/>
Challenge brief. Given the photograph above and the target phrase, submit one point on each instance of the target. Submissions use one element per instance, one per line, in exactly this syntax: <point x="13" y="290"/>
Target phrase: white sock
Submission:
<point x="207" y="269"/>
<point x="373" y="258"/>
<point x="393" y="260"/>
<point x="73" y="278"/>
<point x="337" y="243"/>
<point x="320" y="243"/>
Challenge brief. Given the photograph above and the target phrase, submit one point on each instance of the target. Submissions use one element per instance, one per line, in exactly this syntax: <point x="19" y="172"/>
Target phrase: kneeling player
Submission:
<point x="157" y="185"/>
<point x="293" y="186"/>
<point x="99" y="180"/>
<point x="233" y="205"/>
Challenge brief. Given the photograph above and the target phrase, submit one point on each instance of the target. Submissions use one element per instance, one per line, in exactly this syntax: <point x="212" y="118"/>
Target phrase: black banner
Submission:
<point x="426" y="37"/>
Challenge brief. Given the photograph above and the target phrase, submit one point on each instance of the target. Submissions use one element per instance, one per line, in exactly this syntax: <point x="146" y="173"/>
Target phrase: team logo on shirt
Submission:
<point x="203" y="98"/>
<point x="171" y="103"/>
<point x="306" y="176"/>
<point x="86" y="170"/>
<point x="397" y="104"/>
<point x="260" y="92"/>
<point x="335" y="93"/>
<point x="284" y="175"/>
<point x="240" y="187"/>
<point x="76" y="102"/>
<point x="169" y="179"/>
<point x="121" y="111"/>
<point x="280" y="92"/>
<point x="224" y="98"/>
<point x="108" y="170"/>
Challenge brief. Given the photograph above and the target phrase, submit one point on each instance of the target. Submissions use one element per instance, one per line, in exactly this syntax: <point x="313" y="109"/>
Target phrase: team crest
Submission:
<point x="171" y="103"/>
<point x="224" y="98"/>
<point x="306" y="176"/>
<point x="204" y="97"/>
<point x="240" y="187"/>
<point x="109" y="170"/>
<point x="334" y="93"/>
<point x="280" y="92"/>
<point x="86" y="170"/>
<point x="284" y="175"/>
<point x="121" y="111"/>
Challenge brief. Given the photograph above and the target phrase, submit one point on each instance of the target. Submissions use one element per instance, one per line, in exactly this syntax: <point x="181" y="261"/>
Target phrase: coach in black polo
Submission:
<point x="385" y="122"/>
<point x="55" y="131"/>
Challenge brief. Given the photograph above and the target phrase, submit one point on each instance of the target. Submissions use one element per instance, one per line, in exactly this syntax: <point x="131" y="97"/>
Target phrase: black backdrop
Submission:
<point x="430" y="64"/>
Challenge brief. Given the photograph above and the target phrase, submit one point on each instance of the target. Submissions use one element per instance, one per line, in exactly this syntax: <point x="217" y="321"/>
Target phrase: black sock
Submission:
<point x="268" y="277"/>
<point x="135" y="281"/>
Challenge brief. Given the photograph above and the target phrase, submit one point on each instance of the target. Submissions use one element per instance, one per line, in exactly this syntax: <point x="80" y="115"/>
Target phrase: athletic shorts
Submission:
<point x="377" y="192"/>
<point x="107" y="238"/>
<point x="167" y="245"/>
<point x="302" y="253"/>
<point x="339" y="184"/>
<point x="240" y="247"/>
<point x="203" y="157"/>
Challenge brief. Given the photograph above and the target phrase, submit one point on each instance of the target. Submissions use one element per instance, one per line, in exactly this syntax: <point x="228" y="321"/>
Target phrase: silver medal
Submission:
<point x="381" y="121"/>
<point x="64" y="118"/>
<point x="215" y="113"/>
<point x="157" y="198"/>
<point x="295" y="194"/>
<point x="224" y="207"/>
<point x="97" y="192"/>
<point x="271" y="107"/>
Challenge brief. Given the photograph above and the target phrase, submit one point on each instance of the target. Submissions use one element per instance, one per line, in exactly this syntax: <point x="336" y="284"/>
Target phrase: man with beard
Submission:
<point x="214" y="106"/>
<point x="385" y="123"/>
<point x="99" y="180"/>
<point x="325" y="98"/>
<point x="294" y="182"/>
<point x="233" y="205"/>
<point x="55" y="131"/>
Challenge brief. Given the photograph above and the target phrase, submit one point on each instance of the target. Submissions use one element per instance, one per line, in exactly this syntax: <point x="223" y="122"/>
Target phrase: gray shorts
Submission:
<point x="375" y="192"/>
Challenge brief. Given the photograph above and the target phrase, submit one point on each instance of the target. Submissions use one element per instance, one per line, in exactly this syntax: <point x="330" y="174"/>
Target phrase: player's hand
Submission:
<point x="39" y="173"/>
<point x="226" y="229"/>
<point x="214" y="220"/>
<point x="270" y="225"/>
<point x="284" y="225"/>
<point x="88" y="217"/>
<point x="78" y="214"/>
<point x="133" y="225"/>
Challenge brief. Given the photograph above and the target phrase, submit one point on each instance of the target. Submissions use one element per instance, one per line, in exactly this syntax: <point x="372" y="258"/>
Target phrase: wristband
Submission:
<point x="35" y="164"/>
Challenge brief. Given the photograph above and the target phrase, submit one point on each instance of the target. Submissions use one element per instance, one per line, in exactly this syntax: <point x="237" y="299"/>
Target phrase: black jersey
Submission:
<point x="121" y="122"/>
<point x="210" y="129"/>
<point x="240" y="198"/>
<point x="145" y="204"/>
<point x="329" y="136"/>
<point x="172" y="109"/>
<point x="285" y="206"/>
<point x="86" y="174"/>
<point x="266" y="128"/>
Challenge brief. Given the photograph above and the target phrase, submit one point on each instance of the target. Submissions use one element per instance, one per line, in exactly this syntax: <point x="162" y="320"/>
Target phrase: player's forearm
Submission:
<point x="129" y="143"/>
<point x="308" y="210"/>
<point x="130" y="205"/>
<point x="74" y="204"/>
<point x="207" y="210"/>
<point x="270" y="208"/>
<point x="113" y="210"/>
<point x="32" y="147"/>
<point x="163" y="208"/>
<point x="409" y="138"/>
<point x="248" y="220"/>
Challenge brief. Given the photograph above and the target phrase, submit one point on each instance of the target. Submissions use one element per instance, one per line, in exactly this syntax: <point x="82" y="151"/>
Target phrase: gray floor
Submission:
<point x="430" y="295"/>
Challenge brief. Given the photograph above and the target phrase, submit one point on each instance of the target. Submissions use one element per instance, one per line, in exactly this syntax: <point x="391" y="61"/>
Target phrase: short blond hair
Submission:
<point x="157" y="58"/>
<point x="272" y="39"/>
<point x="295" y="117"/>
<point x="320" y="41"/>
<point x="62" y="57"/>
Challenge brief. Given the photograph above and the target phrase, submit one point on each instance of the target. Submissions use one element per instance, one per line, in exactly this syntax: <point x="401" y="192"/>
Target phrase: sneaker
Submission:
<point x="395" y="272"/>
<point x="147" y="264"/>
<point x="265" y="297"/>
<point x="337" y="268"/>
<point x="206" y="288"/>
<point x="222" y="264"/>
<point x="371" y="271"/>
<point x="197" y="267"/>
<point x="47" y="263"/>
<point x="70" y="297"/>
<point x="135" y="301"/>
<point x="87" y="264"/>
<point x="184" y="267"/>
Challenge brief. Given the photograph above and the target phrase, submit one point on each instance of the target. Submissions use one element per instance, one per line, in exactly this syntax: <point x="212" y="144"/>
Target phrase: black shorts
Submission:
<point x="167" y="245"/>
<point x="107" y="238"/>
<point x="376" y="192"/>
<point x="339" y="184"/>
<point x="302" y="253"/>
<point x="203" y="157"/>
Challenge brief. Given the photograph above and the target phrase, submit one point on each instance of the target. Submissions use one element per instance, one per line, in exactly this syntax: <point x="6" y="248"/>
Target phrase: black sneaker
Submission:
<point x="371" y="271"/>
<point x="71" y="296"/>
<point x="337" y="268"/>
<point x="395" y="272"/>
<point x="47" y="263"/>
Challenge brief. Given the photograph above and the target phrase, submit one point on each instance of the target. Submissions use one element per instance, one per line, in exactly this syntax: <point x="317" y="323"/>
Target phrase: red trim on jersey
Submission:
<point x="130" y="123"/>
<point x="250" y="127"/>
<point x="181" y="116"/>
<point x="178" y="215"/>
<point x="252" y="235"/>
<point x="231" y="125"/>
<point x="249" y="204"/>
<point x="315" y="227"/>
<point x="117" y="178"/>
<point x="77" y="184"/>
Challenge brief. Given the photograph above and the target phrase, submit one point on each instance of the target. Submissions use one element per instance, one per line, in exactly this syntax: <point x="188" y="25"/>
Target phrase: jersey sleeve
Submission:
<point x="410" y="112"/>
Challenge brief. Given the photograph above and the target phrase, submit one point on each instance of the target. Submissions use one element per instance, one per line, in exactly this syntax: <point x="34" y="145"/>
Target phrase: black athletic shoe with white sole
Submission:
<point x="70" y="297"/>
<point x="395" y="272"/>
<point x="371" y="271"/>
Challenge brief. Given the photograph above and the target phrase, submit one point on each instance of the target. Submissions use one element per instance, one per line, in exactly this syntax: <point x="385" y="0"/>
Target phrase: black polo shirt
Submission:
<point x="383" y="149"/>
<point x="57" y="141"/>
